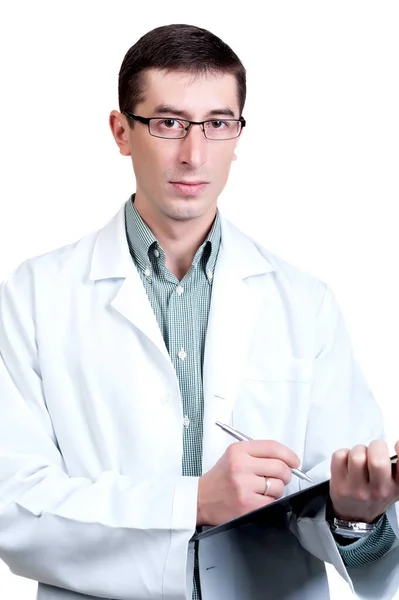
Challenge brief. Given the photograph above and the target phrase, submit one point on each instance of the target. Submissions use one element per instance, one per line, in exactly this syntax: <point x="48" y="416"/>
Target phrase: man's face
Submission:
<point x="164" y="167"/>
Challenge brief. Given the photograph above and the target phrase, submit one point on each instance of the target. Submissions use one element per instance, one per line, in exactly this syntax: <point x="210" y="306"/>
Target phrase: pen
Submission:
<point x="242" y="438"/>
<point x="394" y="461"/>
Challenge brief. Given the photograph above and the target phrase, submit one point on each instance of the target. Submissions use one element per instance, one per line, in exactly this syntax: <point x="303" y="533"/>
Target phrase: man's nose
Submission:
<point x="193" y="147"/>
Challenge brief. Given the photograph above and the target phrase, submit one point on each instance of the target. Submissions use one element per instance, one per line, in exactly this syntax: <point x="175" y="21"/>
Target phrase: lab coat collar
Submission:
<point x="111" y="257"/>
<point x="235" y="305"/>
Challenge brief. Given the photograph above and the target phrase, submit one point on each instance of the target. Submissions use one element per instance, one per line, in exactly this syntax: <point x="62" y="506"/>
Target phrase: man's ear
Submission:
<point x="235" y="148"/>
<point x="120" y="130"/>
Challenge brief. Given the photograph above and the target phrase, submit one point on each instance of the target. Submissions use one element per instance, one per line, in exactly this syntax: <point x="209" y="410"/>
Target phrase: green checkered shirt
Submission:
<point x="181" y="309"/>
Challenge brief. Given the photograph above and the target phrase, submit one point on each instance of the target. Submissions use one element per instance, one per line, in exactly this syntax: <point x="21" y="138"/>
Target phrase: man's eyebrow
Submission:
<point x="170" y="110"/>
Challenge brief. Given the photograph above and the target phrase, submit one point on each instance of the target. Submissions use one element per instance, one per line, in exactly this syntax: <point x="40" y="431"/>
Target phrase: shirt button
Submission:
<point x="180" y="289"/>
<point x="182" y="355"/>
<point x="147" y="272"/>
<point x="186" y="422"/>
<point x="156" y="253"/>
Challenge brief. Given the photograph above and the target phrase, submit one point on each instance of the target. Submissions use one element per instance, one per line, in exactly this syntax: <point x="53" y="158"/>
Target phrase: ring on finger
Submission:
<point x="268" y="484"/>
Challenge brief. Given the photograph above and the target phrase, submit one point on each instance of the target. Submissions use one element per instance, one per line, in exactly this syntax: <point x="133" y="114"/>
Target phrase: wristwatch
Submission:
<point x="353" y="529"/>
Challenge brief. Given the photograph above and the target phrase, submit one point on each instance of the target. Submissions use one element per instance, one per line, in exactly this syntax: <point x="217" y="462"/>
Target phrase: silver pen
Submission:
<point x="242" y="438"/>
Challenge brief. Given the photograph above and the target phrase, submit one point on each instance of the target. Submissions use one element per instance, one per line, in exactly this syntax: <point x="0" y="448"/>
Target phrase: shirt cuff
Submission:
<point x="368" y="549"/>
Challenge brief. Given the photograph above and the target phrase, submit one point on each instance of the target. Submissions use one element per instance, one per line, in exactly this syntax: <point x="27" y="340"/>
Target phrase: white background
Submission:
<point x="317" y="173"/>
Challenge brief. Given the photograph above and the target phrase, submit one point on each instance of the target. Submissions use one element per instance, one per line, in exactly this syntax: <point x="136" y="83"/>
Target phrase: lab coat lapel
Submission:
<point x="111" y="259"/>
<point x="233" y="315"/>
<point x="237" y="297"/>
<point x="132" y="302"/>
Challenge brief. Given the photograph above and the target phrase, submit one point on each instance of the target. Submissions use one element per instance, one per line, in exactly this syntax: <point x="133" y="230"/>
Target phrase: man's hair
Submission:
<point x="176" y="48"/>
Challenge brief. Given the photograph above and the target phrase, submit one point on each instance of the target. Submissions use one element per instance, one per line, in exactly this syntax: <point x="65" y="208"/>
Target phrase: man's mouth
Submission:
<point x="189" y="187"/>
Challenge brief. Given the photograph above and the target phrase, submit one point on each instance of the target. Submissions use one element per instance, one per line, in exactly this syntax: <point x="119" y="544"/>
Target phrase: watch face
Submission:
<point x="350" y="529"/>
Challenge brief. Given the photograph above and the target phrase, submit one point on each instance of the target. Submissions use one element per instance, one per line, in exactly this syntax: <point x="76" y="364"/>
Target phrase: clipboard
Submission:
<point x="277" y="513"/>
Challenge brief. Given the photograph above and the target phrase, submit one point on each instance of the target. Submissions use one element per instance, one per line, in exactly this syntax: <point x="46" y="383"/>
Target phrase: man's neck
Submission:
<point x="180" y="240"/>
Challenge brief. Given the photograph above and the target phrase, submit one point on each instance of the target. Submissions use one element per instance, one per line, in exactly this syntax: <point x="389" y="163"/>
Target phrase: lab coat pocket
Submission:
<point x="274" y="399"/>
<point x="266" y="368"/>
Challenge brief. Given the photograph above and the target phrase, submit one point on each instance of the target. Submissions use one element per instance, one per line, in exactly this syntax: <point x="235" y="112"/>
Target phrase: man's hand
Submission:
<point x="362" y="486"/>
<point x="236" y="484"/>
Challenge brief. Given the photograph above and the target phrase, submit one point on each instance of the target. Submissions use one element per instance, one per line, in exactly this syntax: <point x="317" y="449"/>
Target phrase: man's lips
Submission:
<point x="190" y="182"/>
<point x="189" y="187"/>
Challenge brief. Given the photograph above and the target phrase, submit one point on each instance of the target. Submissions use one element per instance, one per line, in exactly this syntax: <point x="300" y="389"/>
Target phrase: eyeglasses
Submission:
<point x="176" y="129"/>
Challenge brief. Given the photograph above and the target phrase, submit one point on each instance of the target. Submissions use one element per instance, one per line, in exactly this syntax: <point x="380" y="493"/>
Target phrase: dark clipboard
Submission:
<point x="277" y="514"/>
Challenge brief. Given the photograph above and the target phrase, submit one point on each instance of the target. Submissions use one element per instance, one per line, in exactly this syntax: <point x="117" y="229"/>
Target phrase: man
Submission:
<point x="121" y="351"/>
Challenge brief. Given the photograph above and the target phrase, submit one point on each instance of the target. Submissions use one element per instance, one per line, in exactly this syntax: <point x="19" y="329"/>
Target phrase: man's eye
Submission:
<point x="218" y="124"/>
<point x="170" y="124"/>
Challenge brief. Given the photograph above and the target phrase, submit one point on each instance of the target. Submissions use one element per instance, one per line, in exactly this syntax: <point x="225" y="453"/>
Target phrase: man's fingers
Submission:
<point x="395" y="468"/>
<point x="272" y="449"/>
<point x="259" y="501"/>
<point x="272" y="467"/>
<point x="357" y="466"/>
<point x="361" y="465"/>
<point x="339" y="465"/>
<point x="379" y="465"/>
<point x="275" y="487"/>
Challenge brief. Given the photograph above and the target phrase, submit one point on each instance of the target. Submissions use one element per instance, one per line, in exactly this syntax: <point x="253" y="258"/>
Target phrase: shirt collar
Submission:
<point x="207" y="253"/>
<point x="139" y="236"/>
<point x="142" y="241"/>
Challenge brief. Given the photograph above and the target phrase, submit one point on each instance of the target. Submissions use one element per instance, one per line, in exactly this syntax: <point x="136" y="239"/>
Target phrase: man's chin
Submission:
<point x="187" y="208"/>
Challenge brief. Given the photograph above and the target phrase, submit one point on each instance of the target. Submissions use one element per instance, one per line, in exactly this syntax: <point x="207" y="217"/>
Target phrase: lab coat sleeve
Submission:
<point x="343" y="413"/>
<point x="114" y="537"/>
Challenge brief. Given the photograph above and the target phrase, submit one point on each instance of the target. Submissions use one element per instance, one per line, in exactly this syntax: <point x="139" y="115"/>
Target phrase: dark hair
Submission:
<point x="176" y="47"/>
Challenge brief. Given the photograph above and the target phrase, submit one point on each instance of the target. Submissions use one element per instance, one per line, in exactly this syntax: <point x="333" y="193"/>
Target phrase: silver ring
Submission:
<point x="268" y="484"/>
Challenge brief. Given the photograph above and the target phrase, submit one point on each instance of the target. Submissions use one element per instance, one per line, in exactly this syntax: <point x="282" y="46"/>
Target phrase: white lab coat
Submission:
<point x="91" y="494"/>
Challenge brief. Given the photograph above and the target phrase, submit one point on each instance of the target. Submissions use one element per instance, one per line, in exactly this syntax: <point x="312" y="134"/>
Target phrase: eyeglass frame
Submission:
<point x="147" y="121"/>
